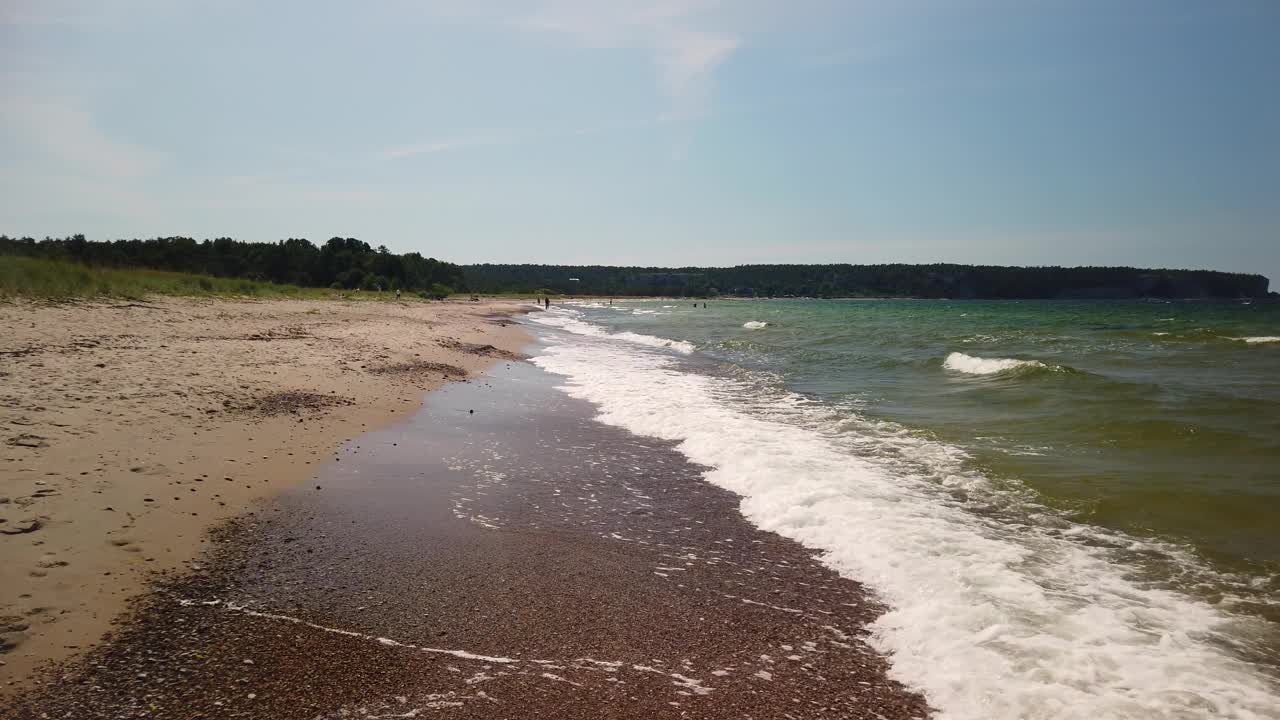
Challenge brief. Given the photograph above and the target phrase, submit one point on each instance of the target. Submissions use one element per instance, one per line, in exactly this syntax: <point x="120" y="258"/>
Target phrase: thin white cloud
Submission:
<point x="689" y="58"/>
<point x="442" y="145"/>
<point x="685" y="52"/>
<point x="37" y="200"/>
<point x="431" y="147"/>
<point x="66" y="132"/>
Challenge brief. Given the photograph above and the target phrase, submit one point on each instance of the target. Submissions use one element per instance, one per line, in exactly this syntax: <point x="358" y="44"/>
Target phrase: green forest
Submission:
<point x="341" y="263"/>
<point x="928" y="281"/>
<point x="348" y="263"/>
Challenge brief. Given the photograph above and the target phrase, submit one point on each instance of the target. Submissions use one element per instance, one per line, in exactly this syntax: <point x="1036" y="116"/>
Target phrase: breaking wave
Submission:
<point x="566" y="320"/>
<point x="970" y="365"/>
<point x="991" y="616"/>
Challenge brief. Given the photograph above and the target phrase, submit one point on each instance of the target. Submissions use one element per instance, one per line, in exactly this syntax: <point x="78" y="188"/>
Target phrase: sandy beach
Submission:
<point x="131" y="428"/>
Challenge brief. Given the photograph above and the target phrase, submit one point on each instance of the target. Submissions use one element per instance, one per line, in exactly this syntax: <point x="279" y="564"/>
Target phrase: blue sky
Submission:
<point x="667" y="132"/>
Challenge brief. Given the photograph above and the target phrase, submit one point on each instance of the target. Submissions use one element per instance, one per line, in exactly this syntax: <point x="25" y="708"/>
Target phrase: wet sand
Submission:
<point x="497" y="555"/>
<point x="129" y="428"/>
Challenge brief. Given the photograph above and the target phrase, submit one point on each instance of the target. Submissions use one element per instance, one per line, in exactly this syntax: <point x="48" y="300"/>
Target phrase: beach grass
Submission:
<point x="52" y="279"/>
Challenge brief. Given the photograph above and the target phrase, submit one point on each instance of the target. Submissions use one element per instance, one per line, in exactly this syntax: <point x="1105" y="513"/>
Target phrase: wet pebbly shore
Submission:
<point x="499" y="555"/>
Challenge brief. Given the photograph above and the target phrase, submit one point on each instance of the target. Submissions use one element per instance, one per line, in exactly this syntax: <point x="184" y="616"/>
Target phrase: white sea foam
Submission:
<point x="971" y="365"/>
<point x="568" y="321"/>
<point x="755" y="324"/>
<point x="1259" y="339"/>
<point x="990" y="620"/>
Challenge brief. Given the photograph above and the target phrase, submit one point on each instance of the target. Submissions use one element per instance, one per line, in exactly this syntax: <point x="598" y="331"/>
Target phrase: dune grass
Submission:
<point x="52" y="279"/>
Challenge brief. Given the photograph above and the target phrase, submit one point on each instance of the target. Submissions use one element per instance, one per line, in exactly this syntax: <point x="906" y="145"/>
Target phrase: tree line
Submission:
<point x="341" y="263"/>
<point x="891" y="280"/>
<point x="348" y="263"/>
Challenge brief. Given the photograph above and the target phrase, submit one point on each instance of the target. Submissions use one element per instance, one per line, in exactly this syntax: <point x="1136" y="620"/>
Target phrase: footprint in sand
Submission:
<point x="28" y="440"/>
<point x="21" y="527"/>
<point x="49" y="561"/>
<point x="13" y="630"/>
<point x="126" y="544"/>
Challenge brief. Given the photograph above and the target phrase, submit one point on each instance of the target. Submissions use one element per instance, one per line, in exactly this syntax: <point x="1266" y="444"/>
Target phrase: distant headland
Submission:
<point x="349" y="263"/>
<point x="897" y="280"/>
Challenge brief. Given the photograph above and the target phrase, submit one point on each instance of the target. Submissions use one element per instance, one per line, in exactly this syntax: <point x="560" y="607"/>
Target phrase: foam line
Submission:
<point x="991" y="617"/>
<point x="243" y="610"/>
<point x="584" y="663"/>
<point x="567" y="320"/>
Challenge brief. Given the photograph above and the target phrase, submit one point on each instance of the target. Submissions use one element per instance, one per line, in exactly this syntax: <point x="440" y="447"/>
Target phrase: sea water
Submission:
<point x="1070" y="509"/>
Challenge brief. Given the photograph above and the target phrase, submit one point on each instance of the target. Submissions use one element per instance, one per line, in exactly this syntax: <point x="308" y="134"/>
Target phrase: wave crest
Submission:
<point x="755" y="324"/>
<point x="570" y="323"/>
<point x="970" y="365"/>
<point x="988" y="620"/>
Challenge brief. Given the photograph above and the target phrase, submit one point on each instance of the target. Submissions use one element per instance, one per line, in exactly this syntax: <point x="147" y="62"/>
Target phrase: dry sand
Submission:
<point x="129" y="429"/>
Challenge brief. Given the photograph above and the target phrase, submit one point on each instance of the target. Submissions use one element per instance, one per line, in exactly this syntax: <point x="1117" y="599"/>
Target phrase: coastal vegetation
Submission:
<point x="348" y="263"/>
<point x="341" y="263"/>
<point x="842" y="280"/>
<point x="41" y="278"/>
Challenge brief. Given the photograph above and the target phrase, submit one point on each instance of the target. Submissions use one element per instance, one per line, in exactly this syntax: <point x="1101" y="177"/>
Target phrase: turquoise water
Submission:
<point x="1157" y="419"/>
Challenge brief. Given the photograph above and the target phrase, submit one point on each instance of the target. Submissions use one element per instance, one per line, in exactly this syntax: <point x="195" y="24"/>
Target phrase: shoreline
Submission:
<point x="500" y="553"/>
<point x="131" y="428"/>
